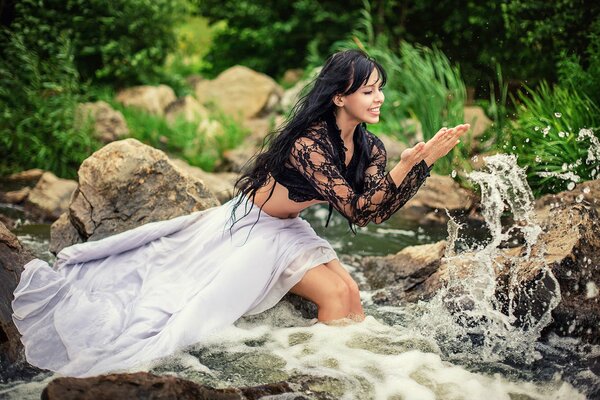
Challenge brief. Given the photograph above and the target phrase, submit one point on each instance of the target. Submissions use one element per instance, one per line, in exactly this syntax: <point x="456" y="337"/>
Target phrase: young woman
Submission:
<point x="143" y="294"/>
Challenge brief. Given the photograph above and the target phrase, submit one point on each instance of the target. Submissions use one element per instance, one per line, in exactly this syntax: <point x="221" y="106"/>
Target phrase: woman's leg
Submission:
<point x="327" y="290"/>
<point x="355" y="304"/>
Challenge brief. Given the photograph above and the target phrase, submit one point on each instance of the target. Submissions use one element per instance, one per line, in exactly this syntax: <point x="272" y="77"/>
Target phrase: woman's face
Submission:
<point x="364" y="104"/>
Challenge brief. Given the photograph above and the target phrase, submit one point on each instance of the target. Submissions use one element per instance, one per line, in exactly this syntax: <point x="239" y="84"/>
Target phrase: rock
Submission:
<point x="50" y="197"/>
<point x="29" y="175"/>
<point x="439" y="193"/>
<point x="585" y="193"/>
<point x="405" y="269"/>
<point x="291" y="76"/>
<point x="291" y="96"/>
<point x="152" y="99"/>
<point x="236" y="160"/>
<point x="187" y="108"/>
<point x="221" y="184"/>
<point x="12" y="259"/>
<point x="475" y="116"/>
<point x="143" y="385"/>
<point x="307" y="308"/>
<point x="241" y="92"/>
<point x="109" y="124"/>
<point x="16" y="196"/>
<point x="63" y="234"/>
<point x="393" y="148"/>
<point x="570" y="248"/>
<point x="126" y="184"/>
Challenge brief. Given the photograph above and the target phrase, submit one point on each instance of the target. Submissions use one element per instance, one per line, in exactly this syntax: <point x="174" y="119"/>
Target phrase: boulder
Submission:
<point x="30" y="175"/>
<point x="50" y="197"/>
<point x="123" y="185"/>
<point x="584" y="193"/>
<point x="291" y="76"/>
<point x="235" y="160"/>
<point x="15" y="196"/>
<point x="241" y="92"/>
<point x="221" y="184"/>
<point x="142" y="385"/>
<point x="439" y="193"/>
<point x="187" y="108"/>
<point x="152" y="99"/>
<point x="569" y="247"/>
<point x="393" y="149"/>
<point x="475" y="116"/>
<point x="402" y="277"/>
<point x="12" y="259"/>
<point x="109" y="124"/>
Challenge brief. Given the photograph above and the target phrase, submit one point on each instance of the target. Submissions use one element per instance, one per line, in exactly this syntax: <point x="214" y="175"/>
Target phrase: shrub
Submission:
<point x="121" y="42"/>
<point x="546" y="137"/>
<point x="38" y="99"/>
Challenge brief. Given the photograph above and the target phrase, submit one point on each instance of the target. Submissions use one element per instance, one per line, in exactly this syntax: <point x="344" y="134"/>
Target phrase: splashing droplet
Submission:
<point x="571" y="186"/>
<point x="557" y="114"/>
<point x="579" y="198"/>
<point x="586" y="190"/>
<point x="537" y="128"/>
<point x="453" y="174"/>
<point x="538" y="159"/>
<point x="527" y="140"/>
<point x="562" y="134"/>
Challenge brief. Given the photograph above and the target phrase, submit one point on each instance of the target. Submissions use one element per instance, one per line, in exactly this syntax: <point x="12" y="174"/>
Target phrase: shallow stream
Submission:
<point x="422" y="351"/>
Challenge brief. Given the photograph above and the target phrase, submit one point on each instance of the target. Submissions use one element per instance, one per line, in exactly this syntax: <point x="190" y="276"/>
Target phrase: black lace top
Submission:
<point x="316" y="170"/>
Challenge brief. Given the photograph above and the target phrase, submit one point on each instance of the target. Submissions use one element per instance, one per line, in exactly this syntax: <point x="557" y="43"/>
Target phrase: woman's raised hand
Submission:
<point x="413" y="155"/>
<point x="443" y="141"/>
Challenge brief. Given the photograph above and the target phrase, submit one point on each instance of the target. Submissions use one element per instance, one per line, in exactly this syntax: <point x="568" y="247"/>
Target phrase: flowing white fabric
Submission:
<point x="142" y="294"/>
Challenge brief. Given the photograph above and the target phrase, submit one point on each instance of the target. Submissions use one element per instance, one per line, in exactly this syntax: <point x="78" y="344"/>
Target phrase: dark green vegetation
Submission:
<point x="524" y="61"/>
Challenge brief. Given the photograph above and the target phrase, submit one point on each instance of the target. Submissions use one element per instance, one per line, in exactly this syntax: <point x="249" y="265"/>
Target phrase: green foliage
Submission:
<point x="121" y="42"/>
<point x="37" y="102"/>
<point x="203" y="148"/>
<point x="546" y="137"/>
<point x="272" y="36"/>
<point x="193" y="41"/>
<point x="550" y="29"/>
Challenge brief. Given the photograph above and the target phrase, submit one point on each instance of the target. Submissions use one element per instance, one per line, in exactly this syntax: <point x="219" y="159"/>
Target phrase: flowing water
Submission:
<point x="462" y="344"/>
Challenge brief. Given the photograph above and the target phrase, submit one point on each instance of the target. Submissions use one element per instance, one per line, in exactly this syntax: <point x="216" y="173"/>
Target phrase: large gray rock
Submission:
<point x="12" y="259"/>
<point x="143" y="385"/>
<point x="241" y="92"/>
<point x="152" y="99"/>
<point x="187" y="108"/>
<point x="221" y="184"/>
<point x="50" y="197"/>
<point x="109" y="124"/>
<point x="124" y="185"/>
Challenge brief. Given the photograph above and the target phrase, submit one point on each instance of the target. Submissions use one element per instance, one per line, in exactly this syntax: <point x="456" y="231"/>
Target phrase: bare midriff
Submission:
<point x="280" y="205"/>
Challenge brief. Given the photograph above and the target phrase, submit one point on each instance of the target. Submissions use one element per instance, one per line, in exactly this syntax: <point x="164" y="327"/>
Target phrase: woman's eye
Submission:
<point x="369" y="92"/>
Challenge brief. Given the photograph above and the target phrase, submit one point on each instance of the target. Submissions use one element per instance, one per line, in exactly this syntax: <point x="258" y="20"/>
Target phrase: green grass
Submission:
<point x="545" y="137"/>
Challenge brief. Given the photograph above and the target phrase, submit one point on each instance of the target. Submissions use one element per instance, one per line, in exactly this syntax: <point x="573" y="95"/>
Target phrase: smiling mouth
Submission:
<point x="374" y="110"/>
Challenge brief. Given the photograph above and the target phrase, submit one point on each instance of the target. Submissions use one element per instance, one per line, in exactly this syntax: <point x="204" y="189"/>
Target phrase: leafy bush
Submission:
<point x="181" y="138"/>
<point x="120" y="42"/>
<point x="546" y="138"/>
<point x="37" y="102"/>
<point x="272" y="36"/>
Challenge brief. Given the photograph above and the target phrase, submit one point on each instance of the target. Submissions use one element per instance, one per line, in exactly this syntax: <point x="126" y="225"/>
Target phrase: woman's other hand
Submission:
<point x="443" y="141"/>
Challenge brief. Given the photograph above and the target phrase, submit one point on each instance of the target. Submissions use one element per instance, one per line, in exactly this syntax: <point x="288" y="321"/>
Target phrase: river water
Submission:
<point x="428" y="350"/>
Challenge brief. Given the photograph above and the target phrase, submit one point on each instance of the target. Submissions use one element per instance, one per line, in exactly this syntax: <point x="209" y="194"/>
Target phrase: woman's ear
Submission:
<point x="338" y="100"/>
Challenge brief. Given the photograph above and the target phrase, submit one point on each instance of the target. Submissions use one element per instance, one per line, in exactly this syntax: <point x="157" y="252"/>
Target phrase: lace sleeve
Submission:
<point x="380" y="197"/>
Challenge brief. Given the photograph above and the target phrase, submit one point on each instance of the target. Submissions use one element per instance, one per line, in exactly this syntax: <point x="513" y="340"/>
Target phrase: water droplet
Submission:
<point x="586" y="190"/>
<point x="527" y="140"/>
<point x="546" y="130"/>
<point x="538" y="159"/>
<point x="561" y="134"/>
<point x="557" y="114"/>
<point x="579" y="198"/>
<point x="571" y="186"/>
<point x="564" y="167"/>
<point x="453" y="173"/>
<point x="514" y="147"/>
<point x="537" y="128"/>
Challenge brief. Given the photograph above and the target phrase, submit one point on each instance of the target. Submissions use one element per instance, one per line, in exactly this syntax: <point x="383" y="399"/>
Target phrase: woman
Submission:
<point x="142" y="294"/>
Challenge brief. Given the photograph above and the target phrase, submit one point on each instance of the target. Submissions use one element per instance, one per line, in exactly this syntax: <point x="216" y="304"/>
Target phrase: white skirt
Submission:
<point x="142" y="294"/>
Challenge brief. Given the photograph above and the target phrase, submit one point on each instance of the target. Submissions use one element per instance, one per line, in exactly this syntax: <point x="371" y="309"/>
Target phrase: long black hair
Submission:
<point x="343" y="74"/>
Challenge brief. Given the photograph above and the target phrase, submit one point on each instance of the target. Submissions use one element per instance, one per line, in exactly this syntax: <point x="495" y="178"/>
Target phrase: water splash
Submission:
<point x="484" y="300"/>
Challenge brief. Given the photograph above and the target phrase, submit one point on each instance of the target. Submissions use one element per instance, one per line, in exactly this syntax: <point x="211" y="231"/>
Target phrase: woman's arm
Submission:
<point x="382" y="195"/>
